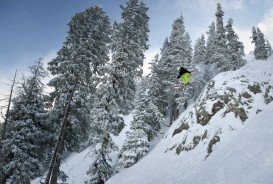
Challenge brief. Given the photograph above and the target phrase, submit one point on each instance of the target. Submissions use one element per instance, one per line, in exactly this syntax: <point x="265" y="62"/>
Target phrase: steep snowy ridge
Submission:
<point x="225" y="137"/>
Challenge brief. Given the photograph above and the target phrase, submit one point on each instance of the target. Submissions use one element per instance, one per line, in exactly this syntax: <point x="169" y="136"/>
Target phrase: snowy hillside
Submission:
<point x="226" y="137"/>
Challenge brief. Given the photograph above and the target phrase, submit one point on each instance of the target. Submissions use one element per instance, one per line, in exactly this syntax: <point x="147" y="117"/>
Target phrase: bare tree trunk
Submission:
<point x="3" y="176"/>
<point x="55" y="163"/>
<point x="8" y="108"/>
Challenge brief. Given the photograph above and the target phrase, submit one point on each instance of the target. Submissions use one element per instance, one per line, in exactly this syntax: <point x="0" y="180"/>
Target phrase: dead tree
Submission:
<point x="8" y="107"/>
<point x="6" y="117"/>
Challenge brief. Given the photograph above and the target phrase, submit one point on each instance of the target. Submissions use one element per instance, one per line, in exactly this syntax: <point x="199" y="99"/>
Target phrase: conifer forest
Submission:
<point x="90" y="115"/>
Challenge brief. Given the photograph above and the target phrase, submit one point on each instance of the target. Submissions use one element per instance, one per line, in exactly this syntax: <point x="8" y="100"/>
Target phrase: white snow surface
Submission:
<point x="244" y="154"/>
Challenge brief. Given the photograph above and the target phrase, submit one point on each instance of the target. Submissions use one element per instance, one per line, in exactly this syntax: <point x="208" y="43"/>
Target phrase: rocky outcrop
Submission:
<point x="212" y="142"/>
<point x="268" y="95"/>
<point x="183" y="126"/>
<point x="219" y="101"/>
<point x="255" y="88"/>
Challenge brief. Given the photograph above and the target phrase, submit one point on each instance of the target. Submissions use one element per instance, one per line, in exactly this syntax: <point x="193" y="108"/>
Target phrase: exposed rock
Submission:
<point x="203" y="117"/>
<point x="237" y="111"/>
<point x="195" y="141"/>
<point x="217" y="106"/>
<point x="241" y="113"/>
<point x="246" y="95"/>
<point x="232" y="90"/>
<point x="204" y="136"/>
<point x="183" y="126"/>
<point x="255" y="88"/>
<point x="213" y="141"/>
<point x="267" y="97"/>
<point x="258" y="111"/>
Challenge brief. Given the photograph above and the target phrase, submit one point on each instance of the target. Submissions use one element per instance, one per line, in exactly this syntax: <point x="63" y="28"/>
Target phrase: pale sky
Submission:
<point x="30" y="29"/>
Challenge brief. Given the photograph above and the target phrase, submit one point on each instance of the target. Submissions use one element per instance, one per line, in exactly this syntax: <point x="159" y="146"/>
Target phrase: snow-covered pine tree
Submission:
<point x="145" y="125"/>
<point x="260" y="51"/>
<point x="100" y="170"/>
<point x="199" y="55"/>
<point x="77" y="70"/>
<point x="162" y="75"/>
<point x="210" y="43"/>
<point x="177" y="48"/>
<point x="235" y="47"/>
<point x="78" y="66"/>
<point x="220" y="60"/>
<point x="255" y="41"/>
<point x="105" y="121"/>
<point x="129" y="42"/>
<point x="188" y="51"/>
<point x="268" y="48"/>
<point x="156" y="86"/>
<point x="262" y="54"/>
<point x="145" y="103"/>
<point x="135" y="147"/>
<point x="26" y="144"/>
<point x="199" y="61"/>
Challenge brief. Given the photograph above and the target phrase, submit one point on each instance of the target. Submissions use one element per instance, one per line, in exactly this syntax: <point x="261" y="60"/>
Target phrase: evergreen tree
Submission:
<point x="268" y="48"/>
<point x="261" y="48"/>
<point x="262" y="45"/>
<point x="220" y="59"/>
<point x="235" y="47"/>
<point x="199" y="55"/>
<point x="156" y="85"/>
<point x="78" y="67"/>
<point x="130" y="41"/>
<point x="210" y="43"/>
<point x="145" y="125"/>
<point x="100" y="170"/>
<point x="77" y="71"/>
<point x="27" y="139"/>
<point x="255" y="41"/>
<point x="178" y="46"/>
<point x="188" y="51"/>
<point x="135" y="147"/>
<point x="106" y="121"/>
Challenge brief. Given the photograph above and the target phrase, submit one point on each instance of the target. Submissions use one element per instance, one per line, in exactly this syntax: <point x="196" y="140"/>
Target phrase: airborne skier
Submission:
<point x="184" y="75"/>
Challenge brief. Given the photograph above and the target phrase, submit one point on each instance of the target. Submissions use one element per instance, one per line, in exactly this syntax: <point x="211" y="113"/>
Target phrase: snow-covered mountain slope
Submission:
<point x="226" y="137"/>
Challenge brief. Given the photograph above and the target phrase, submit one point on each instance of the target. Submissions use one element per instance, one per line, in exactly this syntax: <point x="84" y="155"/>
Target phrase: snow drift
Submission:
<point x="225" y="137"/>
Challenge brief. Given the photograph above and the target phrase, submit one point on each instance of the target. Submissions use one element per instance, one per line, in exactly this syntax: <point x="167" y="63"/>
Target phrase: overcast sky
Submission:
<point x="30" y="29"/>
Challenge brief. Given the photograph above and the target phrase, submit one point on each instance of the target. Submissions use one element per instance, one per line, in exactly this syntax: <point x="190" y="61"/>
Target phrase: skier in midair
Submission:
<point x="184" y="75"/>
